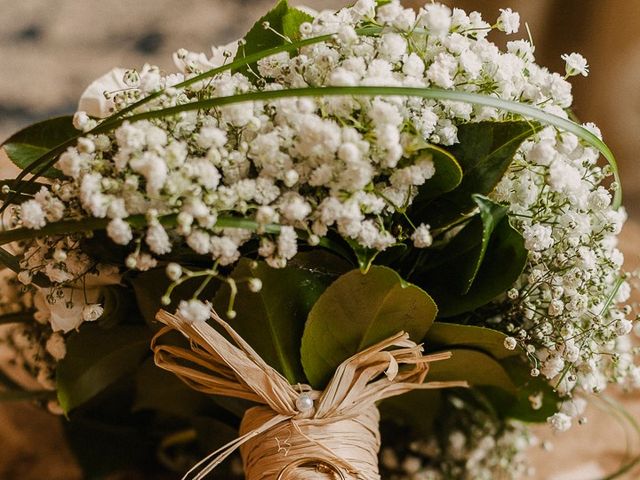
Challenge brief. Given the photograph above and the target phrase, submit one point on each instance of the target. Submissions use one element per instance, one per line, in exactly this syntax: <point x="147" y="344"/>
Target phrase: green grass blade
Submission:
<point x="526" y="111"/>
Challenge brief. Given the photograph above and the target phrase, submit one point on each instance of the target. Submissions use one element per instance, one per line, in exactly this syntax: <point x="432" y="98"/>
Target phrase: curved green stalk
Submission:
<point x="527" y="111"/>
<point x="66" y="227"/>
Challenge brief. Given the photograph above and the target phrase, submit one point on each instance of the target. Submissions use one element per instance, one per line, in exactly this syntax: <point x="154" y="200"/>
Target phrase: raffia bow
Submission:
<point x="339" y="435"/>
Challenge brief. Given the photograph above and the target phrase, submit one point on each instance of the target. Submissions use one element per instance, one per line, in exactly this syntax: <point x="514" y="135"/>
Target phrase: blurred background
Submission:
<point x="50" y="50"/>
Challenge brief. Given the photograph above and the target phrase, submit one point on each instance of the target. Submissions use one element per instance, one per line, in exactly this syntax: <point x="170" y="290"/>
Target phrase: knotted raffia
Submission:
<point x="338" y="438"/>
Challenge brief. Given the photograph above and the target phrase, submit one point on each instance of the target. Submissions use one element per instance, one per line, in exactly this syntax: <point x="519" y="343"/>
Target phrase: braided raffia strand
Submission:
<point x="337" y="438"/>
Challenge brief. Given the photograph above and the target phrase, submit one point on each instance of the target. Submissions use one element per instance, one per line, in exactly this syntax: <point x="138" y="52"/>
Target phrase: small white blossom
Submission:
<point x="560" y="422"/>
<point x="508" y="21"/>
<point x="510" y="343"/>
<point x="576" y="64"/>
<point x="119" y="231"/>
<point x="422" y="237"/>
<point x="194" y="311"/>
<point x="32" y="215"/>
<point x="92" y="312"/>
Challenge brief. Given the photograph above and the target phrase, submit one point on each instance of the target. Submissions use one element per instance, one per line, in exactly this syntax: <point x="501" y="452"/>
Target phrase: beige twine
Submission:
<point x="337" y="439"/>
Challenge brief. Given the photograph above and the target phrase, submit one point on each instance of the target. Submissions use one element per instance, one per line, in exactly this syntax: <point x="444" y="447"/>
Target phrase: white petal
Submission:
<point x="93" y="100"/>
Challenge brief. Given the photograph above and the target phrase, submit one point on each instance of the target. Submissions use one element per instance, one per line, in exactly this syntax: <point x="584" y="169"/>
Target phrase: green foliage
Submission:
<point x="357" y="311"/>
<point x="485" y="151"/>
<point x="448" y="335"/>
<point x="447" y="176"/>
<point x="479" y="263"/>
<point x="96" y="358"/>
<point x="282" y="19"/>
<point x="473" y="366"/>
<point x="28" y="145"/>
<point x="519" y="406"/>
<point x="272" y="320"/>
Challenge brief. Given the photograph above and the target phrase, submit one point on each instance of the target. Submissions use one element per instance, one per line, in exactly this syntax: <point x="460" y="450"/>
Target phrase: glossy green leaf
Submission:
<point x="272" y="320"/>
<point x="475" y="367"/>
<point x="357" y="311"/>
<point x="485" y="151"/>
<point x="291" y="23"/>
<point x="282" y="19"/>
<point x="29" y="144"/>
<point x="519" y="406"/>
<point x="447" y="176"/>
<point x="462" y="257"/>
<point x="450" y="335"/>
<point x="96" y="358"/>
<point x="476" y="266"/>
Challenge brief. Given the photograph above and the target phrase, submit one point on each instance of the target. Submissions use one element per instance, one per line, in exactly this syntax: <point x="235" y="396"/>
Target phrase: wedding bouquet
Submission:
<point x="396" y="222"/>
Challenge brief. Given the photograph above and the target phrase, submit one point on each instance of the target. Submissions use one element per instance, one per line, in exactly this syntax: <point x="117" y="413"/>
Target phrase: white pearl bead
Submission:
<point x="304" y="402"/>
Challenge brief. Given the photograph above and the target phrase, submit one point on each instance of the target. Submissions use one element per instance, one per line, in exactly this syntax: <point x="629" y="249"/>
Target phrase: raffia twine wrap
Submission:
<point x="337" y="438"/>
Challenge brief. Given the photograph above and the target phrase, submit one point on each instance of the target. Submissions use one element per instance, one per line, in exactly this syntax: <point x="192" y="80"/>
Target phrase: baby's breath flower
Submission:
<point x="508" y="21"/>
<point x="194" y="311"/>
<point x="92" y="312"/>
<point x="575" y="64"/>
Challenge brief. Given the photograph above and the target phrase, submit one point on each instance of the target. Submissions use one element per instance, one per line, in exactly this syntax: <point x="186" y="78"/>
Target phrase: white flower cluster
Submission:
<point x="311" y="165"/>
<point x="563" y="309"/>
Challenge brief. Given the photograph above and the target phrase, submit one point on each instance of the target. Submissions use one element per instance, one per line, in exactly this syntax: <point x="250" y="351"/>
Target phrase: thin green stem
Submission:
<point x="527" y="111"/>
<point x="66" y="227"/>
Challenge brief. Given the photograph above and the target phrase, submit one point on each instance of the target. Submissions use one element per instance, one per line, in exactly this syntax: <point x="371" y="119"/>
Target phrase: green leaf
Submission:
<point x="292" y="21"/>
<point x="357" y="311"/>
<point x="282" y="19"/>
<point x="480" y="263"/>
<point x="448" y="175"/>
<point x="519" y="407"/>
<point x="29" y="144"/>
<point x="477" y="368"/>
<point x="462" y="257"/>
<point x="485" y="151"/>
<point x="272" y="320"/>
<point x="96" y="358"/>
<point x="25" y="395"/>
<point x="449" y="335"/>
